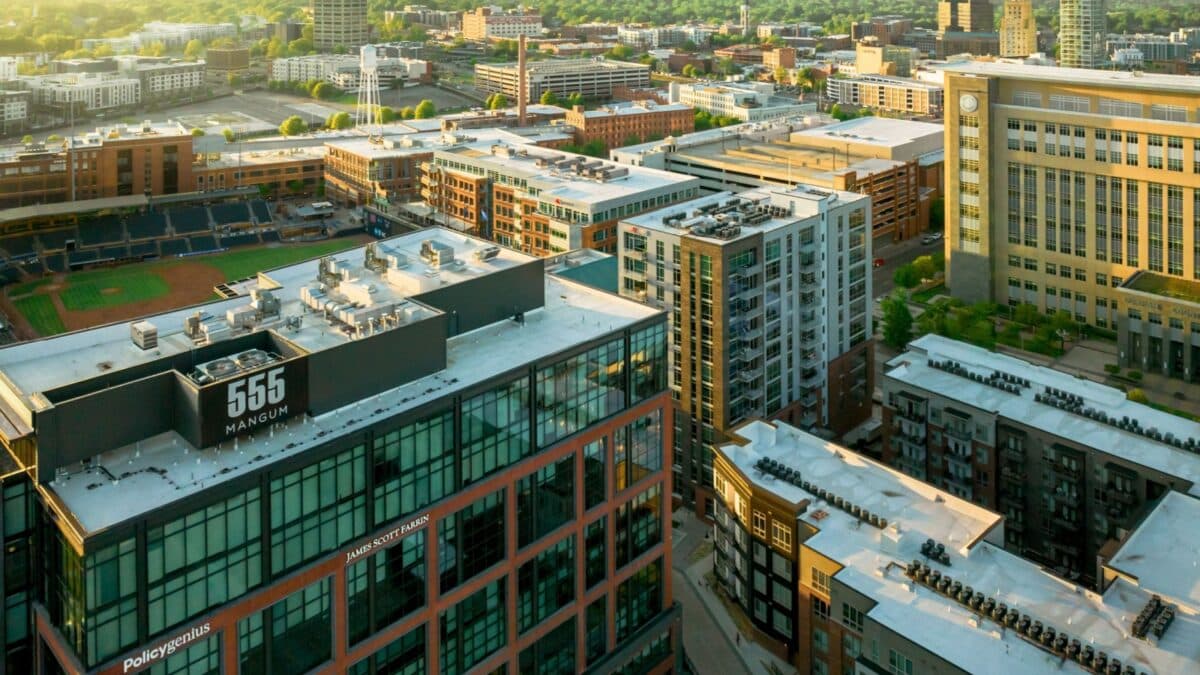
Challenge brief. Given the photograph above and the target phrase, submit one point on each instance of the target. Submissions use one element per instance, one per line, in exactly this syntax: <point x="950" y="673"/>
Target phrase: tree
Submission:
<point x="229" y="135"/>
<point x="233" y="79"/>
<point x="424" y="110"/>
<point x="1028" y="314"/>
<point x="193" y="50"/>
<point x="781" y="75"/>
<point x="549" y="98"/>
<point x="153" y="49"/>
<point x="897" y="321"/>
<point x="293" y="126"/>
<point x="323" y="91"/>
<point x="688" y="70"/>
<point x="924" y="267"/>
<point x="53" y="138"/>
<point x="340" y="121"/>
<point x="197" y="132"/>
<point x="496" y="101"/>
<point x="387" y="114"/>
<point x="704" y="120"/>
<point x="906" y="276"/>
<point x="1137" y="396"/>
<point x="276" y="48"/>
<point x="631" y="139"/>
<point x="620" y="52"/>
<point x="406" y="113"/>
<point x="574" y="99"/>
<point x="300" y="47"/>
<point x="26" y="139"/>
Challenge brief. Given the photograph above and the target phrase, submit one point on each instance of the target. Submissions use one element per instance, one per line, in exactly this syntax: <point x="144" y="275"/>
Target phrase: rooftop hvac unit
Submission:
<point x="144" y="334"/>
<point x="436" y="253"/>
<point x="253" y="358"/>
<point x="219" y="368"/>
<point x="487" y="253"/>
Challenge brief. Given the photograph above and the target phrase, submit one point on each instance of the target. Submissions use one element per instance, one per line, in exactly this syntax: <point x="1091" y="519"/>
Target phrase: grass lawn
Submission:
<point x="40" y="312"/>
<point x="241" y="264"/>
<point x="29" y="287"/>
<point x="926" y="295"/>
<point x="111" y="288"/>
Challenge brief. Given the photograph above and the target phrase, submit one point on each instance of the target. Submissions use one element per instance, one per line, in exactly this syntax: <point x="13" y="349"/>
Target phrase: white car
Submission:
<point x="931" y="237"/>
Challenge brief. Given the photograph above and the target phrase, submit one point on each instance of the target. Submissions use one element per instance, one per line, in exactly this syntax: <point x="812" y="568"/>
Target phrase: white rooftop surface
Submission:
<point x="1162" y="554"/>
<point x="254" y="157"/>
<point x="882" y="131"/>
<point x="874" y="562"/>
<point x="796" y="198"/>
<point x="634" y="109"/>
<point x="573" y="313"/>
<point x="912" y="368"/>
<point x="43" y="365"/>
<point x="1072" y="76"/>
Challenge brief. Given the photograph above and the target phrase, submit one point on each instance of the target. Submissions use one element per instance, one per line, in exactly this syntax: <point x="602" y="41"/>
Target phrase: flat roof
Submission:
<point x="1161" y="285"/>
<point x="1117" y="79"/>
<point x="128" y="481"/>
<point x="874" y="130"/>
<point x="874" y="560"/>
<point x="617" y="110"/>
<point x="912" y="368"/>
<point x="259" y="157"/>
<point x="783" y="161"/>
<point x="60" y="208"/>
<point x="1162" y="554"/>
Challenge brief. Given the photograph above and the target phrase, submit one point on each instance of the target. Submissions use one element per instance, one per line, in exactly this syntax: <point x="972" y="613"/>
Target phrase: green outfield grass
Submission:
<point x="112" y="288"/>
<point x="40" y="312"/>
<point x="241" y="264"/>
<point x="28" y="287"/>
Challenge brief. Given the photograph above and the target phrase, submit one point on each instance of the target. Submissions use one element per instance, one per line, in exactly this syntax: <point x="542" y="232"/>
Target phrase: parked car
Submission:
<point x="931" y="238"/>
<point x="879" y="262"/>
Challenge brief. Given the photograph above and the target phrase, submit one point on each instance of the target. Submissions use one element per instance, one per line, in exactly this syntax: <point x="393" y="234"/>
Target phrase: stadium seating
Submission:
<point x="101" y="230"/>
<point x="261" y="211"/>
<point x="114" y="252"/>
<point x="173" y="246"/>
<point x="9" y="275"/>
<point x="56" y="240"/>
<point x="147" y="226"/>
<point x="228" y="214"/>
<point x="55" y="262"/>
<point x="270" y="236"/>
<point x="232" y="240"/>
<point x="203" y="243"/>
<point x="20" y="246"/>
<point x="145" y="249"/>
<point x="84" y="257"/>
<point x="191" y="219"/>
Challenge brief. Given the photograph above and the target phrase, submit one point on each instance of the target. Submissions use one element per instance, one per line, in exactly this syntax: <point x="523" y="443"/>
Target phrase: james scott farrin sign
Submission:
<point x="387" y="538"/>
<point x="166" y="648"/>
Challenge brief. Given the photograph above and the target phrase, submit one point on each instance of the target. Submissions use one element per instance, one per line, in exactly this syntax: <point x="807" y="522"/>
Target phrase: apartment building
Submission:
<point x="166" y="79"/>
<point x="8" y="68"/>
<point x="594" y="78"/>
<point x="282" y="173"/>
<point x="285" y="495"/>
<point x="965" y="16"/>
<point x="177" y="35"/>
<point x="844" y="565"/>
<point x="14" y="110"/>
<point x="1102" y="176"/>
<point x="485" y="23"/>
<point x="426" y="16"/>
<point x="617" y="124"/>
<point x="888" y="29"/>
<point x="782" y="57"/>
<point x="340" y="23"/>
<point x="1071" y="463"/>
<point x="83" y="92"/>
<point x="768" y="293"/>
<point x="875" y="58"/>
<point x="1153" y="48"/>
<point x="538" y="200"/>
<point x="361" y="171"/>
<point x="746" y="101"/>
<point x="227" y="59"/>
<point x="344" y="71"/>
<point x="1018" y="29"/>
<point x="1082" y="25"/>
<point x="109" y="162"/>
<point x="897" y="163"/>
<point x="889" y="94"/>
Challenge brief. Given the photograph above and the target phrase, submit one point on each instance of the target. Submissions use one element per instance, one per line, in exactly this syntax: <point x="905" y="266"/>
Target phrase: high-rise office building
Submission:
<point x="340" y="24"/>
<point x="965" y="16"/>
<point x="844" y="565"/>
<point x="768" y="293"/>
<point x="422" y="456"/>
<point x="1079" y="191"/>
<point x="1082" y="26"/>
<point x="1018" y="30"/>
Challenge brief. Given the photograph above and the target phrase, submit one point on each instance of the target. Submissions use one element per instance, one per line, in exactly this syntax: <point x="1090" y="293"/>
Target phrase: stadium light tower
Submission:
<point x="367" y="115"/>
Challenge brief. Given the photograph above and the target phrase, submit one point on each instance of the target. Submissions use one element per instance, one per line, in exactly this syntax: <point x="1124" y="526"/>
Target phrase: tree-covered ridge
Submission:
<point x="59" y="24"/>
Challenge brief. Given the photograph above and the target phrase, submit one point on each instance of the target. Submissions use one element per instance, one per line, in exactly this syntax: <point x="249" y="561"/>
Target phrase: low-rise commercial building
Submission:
<point x="1154" y="48"/>
<point x="617" y="125"/>
<point x="487" y="504"/>
<point x="844" y="565"/>
<point x="227" y="59"/>
<point x="875" y="58"/>
<point x="781" y="283"/>
<point x="888" y="29"/>
<point x="1072" y="463"/>
<point x="746" y="101"/>
<point x="343" y="70"/>
<point x="897" y="163"/>
<point x="485" y="23"/>
<point x="363" y="171"/>
<point x="594" y="78"/>
<point x="276" y="173"/>
<point x="891" y="94"/>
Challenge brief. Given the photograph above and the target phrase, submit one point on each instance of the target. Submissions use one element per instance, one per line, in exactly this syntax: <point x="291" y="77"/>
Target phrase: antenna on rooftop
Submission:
<point x="367" y="114"/>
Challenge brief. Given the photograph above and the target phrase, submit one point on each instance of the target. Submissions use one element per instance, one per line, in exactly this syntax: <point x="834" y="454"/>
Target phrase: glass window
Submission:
<point x="203" y="559"/>
<point x="553" y="654"/>
<point x="316" y="509"/>
<point x="292" y="636"/>
<point x="110" y="580"/>
<point x="638" y="450"/>
<point x="413" y="466"/>
<point x="546" y="584"/>
<point x="820" y="581"/>
<point x="545" y="500"/>
<point x="580" y="390"/>
<point x="474" y="629"/>
<point x="639" y="525"/>
<point x="471" y="540"/>
<point x="404" y="656"/>
<point x="594" y="473"/>
<point x="899" y="664"/>
<point x="201" y="657"/>
<point x="820" y="640"/>
<point x="385" y="587"/>
<point x="647" y="362"/>
<point x="651" y="655"/>
<point x="596" y="551"/>
<point x="495" y="430"/>
<point x="639" y="599"/>
<point x="781" y="535"/>
<point x="597" y="629"/>
<point x="852" y="617"/>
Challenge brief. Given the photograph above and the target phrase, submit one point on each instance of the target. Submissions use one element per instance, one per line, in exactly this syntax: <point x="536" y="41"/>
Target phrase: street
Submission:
<point x="894" y="255"/>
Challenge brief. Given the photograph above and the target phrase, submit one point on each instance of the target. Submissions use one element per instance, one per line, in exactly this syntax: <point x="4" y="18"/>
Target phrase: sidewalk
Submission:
<point x="709" y="632"/>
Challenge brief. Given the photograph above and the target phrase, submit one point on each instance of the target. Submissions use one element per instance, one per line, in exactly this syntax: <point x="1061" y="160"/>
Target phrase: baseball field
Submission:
<point x="75" y="300"/>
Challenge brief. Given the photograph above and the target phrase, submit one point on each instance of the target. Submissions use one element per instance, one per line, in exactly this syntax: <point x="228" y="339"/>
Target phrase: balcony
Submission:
<point x="1014" y="525"/>
<point x="807" y="280"/>
<point x="1122" y="496"/>
<point x="1064" y="523"/>
<point x="961" y="482"/>
<point x="959" y="432"/>
<point x="1072" y="472"/>
<point x="958" y="462"/>
<point x="910" y="466"/>
<point x="1013" y="475"/>
<point x="810" y="377"/>
<point x="1012" y="454"/>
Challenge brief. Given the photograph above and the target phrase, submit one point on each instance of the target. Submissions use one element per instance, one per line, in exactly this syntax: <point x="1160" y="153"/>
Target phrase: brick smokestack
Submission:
<point x="522" y="86"/>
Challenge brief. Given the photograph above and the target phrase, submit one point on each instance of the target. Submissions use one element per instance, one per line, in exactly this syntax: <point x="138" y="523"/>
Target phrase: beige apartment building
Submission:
<point x="1018" y="30"/>
<point x="1079" y="190"/>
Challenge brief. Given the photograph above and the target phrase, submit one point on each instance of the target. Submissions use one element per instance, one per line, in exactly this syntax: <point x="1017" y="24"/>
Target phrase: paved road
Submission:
<point x="894" y="255"/>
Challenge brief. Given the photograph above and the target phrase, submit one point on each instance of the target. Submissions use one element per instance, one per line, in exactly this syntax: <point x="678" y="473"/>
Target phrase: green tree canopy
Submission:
<point x="194" y="49"/>
<point x="197" y="132"/>
<point x="387" y="114"/>
<point x="293" y="126"/>
<point x="897" y="321"/>
<point x="228" y="134"/>
<point x="424" y="110"/>
<point x="549" y="98"/>
<point x="340" y="121"/>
